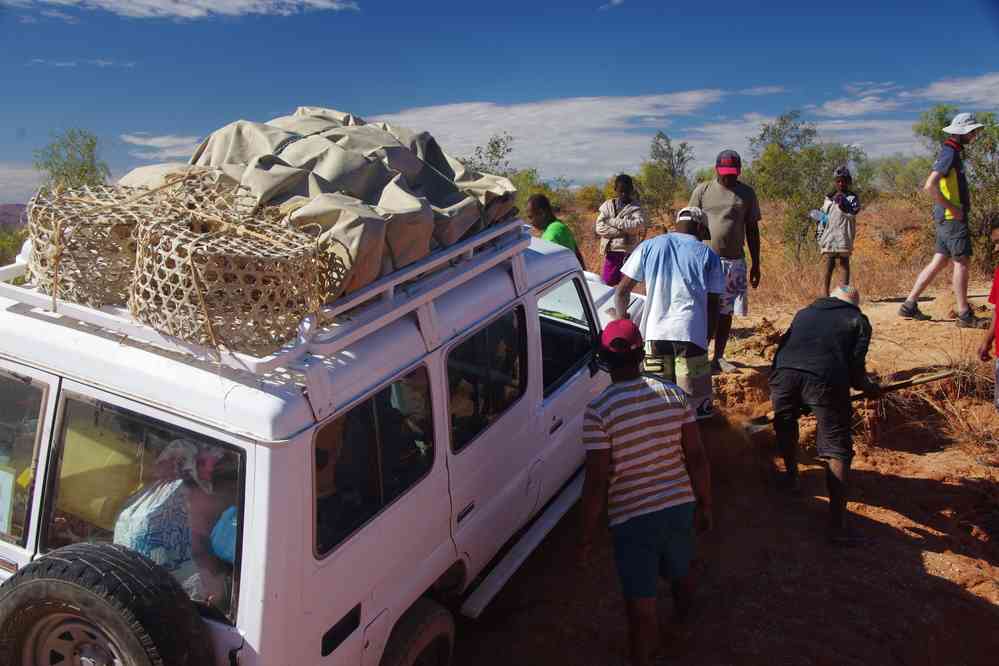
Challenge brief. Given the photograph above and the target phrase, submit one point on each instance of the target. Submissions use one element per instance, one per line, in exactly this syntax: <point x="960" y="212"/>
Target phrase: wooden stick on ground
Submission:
<point x="761" y="422"/>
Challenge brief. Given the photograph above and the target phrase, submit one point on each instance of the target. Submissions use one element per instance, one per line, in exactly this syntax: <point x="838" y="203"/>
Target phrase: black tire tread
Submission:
<point x="150" y="601"/>
<point x="424" y="616"/>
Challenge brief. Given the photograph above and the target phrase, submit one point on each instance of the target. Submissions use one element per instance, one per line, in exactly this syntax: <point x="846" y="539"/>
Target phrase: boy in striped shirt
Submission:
<point x="646" y="468"/>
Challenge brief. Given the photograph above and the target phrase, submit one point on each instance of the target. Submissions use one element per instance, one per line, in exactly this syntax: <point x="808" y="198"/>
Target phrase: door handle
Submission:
<point x="464" y="512"/>
<point x="555" y="426"/>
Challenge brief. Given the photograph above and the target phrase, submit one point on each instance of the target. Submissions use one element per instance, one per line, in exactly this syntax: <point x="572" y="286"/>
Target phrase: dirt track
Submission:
<point x="925" y="592"/>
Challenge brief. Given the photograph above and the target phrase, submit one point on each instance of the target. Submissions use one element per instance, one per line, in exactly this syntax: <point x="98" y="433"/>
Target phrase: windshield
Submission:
<point x="167" y="493"/>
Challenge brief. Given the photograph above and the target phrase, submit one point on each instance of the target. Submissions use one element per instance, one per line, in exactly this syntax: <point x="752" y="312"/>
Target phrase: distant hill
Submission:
<point x="11" y="215"/>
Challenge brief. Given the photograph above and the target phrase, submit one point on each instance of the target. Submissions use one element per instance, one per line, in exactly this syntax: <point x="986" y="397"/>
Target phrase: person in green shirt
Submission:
<point x="542" y="217"/>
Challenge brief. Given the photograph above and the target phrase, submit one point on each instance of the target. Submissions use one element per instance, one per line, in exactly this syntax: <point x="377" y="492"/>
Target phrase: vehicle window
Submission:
<point x="486" y="374"/>
<point x="21" y="404"/>
<point x="167" y="493"/>
<point x="371" y="455"/>
<point x="567" y="333"/>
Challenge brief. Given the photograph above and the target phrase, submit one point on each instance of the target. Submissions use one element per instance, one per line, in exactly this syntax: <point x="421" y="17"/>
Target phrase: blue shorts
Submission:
<point x="653" y="545"/>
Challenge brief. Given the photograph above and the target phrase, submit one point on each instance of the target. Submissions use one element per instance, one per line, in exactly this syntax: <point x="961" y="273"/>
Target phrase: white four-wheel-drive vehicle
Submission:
<point x="331" y="504"/>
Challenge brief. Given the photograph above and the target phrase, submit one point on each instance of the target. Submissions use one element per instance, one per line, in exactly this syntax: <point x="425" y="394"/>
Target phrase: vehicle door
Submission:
<point x="493" y="441"/>
<point x="27" y="410"/>
<point x="382" y="515"/>
<point x="570" y="380"/>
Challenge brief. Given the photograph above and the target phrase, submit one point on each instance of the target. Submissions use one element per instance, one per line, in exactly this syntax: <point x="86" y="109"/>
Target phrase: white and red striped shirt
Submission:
<point x="640" y="421"/>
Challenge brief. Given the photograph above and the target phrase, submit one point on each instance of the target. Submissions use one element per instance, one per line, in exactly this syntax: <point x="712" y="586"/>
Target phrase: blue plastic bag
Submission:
<point x="224" y="535"/>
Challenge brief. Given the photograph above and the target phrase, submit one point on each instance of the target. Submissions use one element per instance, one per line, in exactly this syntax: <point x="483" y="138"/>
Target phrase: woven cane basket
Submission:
<point x="245" y="287"/>
<point x="83" y="243"/>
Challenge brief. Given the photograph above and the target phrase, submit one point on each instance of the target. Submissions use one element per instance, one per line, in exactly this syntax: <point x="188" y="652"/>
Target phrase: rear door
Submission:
<point x="493" y="441"/>
<point x="27" y="410"/>
<point x="568" y="334"/>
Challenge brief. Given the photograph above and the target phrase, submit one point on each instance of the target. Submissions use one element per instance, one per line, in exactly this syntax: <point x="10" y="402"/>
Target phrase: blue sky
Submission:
<point x="581" y="85"/>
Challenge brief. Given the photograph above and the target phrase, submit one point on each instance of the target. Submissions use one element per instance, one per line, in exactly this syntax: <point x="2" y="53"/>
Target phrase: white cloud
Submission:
<point x="848" y="107"/>
<point x="981" y="90"/>
<point x="59" y="16"/>
<point x="195" y="9"/>
<point x="868" y="88"/>
<point x="582" y="138"/>
<point x="709" y="139"/>
<point x="611" y="5"/>
<point x="18" y="182"/>
<point x="763" y="90"/>
<point x="161" y="148"/>
<point x="97" y="62"/>
<point x="877" y="137"/>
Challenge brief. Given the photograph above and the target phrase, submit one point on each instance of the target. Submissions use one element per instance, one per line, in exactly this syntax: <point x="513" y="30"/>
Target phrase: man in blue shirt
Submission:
<point x="683" y="282"/>
<point x="948" y="185"/>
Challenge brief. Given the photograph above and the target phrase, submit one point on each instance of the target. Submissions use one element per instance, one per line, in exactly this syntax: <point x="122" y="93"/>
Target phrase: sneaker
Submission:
<point x="721" y="366"/>
<point x="911" y="311"/>
<point x="968" y="320"/>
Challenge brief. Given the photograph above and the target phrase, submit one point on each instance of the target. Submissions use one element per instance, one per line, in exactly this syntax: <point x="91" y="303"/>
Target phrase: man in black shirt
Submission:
<point x="820" y="357"/>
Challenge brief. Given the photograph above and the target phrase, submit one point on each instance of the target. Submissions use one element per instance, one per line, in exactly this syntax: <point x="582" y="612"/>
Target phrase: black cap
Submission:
<point x="728" y="163"/>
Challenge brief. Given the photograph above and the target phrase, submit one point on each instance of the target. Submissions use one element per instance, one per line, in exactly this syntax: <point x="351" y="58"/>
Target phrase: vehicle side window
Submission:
<point x="567" y="333"/>
<point x="486" y="373"/>
<point x="21" y="405"/>
<point x="165" y="492"/>
<point x="371" y="455"/>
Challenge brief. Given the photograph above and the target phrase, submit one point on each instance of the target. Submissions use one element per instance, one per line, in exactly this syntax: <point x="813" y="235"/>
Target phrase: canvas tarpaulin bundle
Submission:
<point x="427" y="199"/>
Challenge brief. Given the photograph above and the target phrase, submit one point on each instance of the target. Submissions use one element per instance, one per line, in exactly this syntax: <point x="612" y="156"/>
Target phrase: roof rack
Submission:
<point x="411" y="289"/>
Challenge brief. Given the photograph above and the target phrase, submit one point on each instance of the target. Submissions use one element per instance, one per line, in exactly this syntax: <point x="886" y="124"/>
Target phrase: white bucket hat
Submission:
<point x="963" y="123"/>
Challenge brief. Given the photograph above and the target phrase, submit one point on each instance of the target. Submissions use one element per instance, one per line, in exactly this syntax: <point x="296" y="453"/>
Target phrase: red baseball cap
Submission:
<point x="621" y="335"/>
<point x="728" y="163"/>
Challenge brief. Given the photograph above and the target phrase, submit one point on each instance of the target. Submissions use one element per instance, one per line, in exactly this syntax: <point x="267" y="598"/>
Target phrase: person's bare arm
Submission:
<point x="714" y="307"/>
<point x="933" y="187"/>
<point x="753" y="240"/>
<point x="700" y="473"/>
<point x="622" y="296"/>
<point x="985" y="348"/>
<point x="594" y="497"/>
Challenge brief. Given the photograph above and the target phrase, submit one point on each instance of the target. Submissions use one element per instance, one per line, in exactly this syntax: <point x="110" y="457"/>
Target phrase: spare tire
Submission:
<point x="100" y="605"/>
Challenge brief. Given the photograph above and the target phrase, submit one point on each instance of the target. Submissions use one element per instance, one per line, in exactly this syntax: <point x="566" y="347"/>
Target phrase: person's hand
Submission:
<point x="838" y="199"/>
<point x="754" y="276"/>
<point x="704" y="519"/>
<point x="985" y="351"/>
<point x="873" y="390"/>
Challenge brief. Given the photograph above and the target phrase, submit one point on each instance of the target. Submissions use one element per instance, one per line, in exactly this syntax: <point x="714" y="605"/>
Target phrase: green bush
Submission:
<point x="10" y="244"/>
<point x="589" y="197"/>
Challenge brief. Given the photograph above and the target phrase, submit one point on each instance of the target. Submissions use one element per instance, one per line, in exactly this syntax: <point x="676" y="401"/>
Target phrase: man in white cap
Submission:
<point x="684" y="281"/>
<point x="948" y="185"/>
<point x="820" y="357"/>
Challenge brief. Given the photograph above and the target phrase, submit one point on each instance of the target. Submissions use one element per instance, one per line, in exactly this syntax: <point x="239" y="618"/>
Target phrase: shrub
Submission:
<point x="589" y="197"/>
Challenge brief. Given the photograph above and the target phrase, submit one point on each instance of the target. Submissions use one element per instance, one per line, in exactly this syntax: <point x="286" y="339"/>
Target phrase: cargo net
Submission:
<point x="83" y="243"/>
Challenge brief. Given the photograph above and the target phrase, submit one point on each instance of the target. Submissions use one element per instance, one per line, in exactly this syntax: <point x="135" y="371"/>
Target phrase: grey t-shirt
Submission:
<point x="728" y="211"/>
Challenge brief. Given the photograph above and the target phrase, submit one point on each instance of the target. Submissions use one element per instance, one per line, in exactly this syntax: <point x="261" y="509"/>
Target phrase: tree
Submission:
<point x="675" y="161"/>
<point x="664" y="176"/>
<point x="72" y="160"/>
<point x="791" y="167"/>
<point x="493" y="157"/>
<point x="930" y="125"/>
<point x="590" y="197"/>
<point x="788" y="132"/>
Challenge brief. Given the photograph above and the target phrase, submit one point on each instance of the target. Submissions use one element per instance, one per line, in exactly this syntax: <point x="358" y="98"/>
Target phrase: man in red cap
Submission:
<point x="647" y="472"/>
<point x="733" y="213"/>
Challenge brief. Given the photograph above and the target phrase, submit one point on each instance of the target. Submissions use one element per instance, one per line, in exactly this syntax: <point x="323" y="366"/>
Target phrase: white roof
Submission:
<point x="269" y="406"/>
